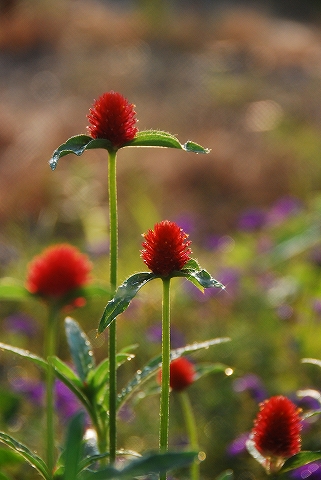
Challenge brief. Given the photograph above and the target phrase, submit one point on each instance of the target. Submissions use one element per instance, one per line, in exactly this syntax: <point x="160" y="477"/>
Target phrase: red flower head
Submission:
<point x="166" y="248"/>
<point x="276" y="432"/>
<point x="57" y="271"/>
<point x="112" y="117"/>
<point x="182" y="374"/>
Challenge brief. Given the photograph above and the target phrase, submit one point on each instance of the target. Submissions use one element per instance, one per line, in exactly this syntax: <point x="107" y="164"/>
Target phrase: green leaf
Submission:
<point x="153" y="365"/>
<point x="73" y="447"/>
<point x="40" y="362"/>
<point x="77" y="145"/>
<point x="201" y="278"/>
<point x="157" y="138"/>
<point x="27" y="454"/>
<point x="10" y="289"/>
<point x="68" y="377"/>
<point x="299" y="460"/>
<point x="148" y="138"/>
<point x="149" y="463"/>
<point x="195" y="148"/>
<point x="65" y="371"/>
<point x="203" y="369"/>
<point x="80" y="348"/>
<point x="123" y="296"/>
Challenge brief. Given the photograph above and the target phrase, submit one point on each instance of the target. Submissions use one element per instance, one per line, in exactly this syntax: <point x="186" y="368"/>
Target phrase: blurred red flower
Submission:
<point x="182" y="374"/>
<point x="166" y="248"/>
<point x="112" y="117"/>
<point x="57" y="271"/>
<point x="276" y="432"/>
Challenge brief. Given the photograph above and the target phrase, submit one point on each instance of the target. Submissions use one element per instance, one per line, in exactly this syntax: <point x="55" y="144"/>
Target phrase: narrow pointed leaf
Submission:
<point x="71" y="381"/>
<point x="203" y="369"/>
<point x="204" y="279"/>
<point x="148" y="464"/>
<point x="77" y="145"/>
<point x="33" y="459"/>
<point x="40" y="362"/>
<point x="80" y="348"/>
<point x="151" y="367"/>
<point x="123" y="296"/>
<point x="299" y="460"/>
<point x="63" y="369"/>
<point x="73" y="447"/>
<point x="195" y="148"/>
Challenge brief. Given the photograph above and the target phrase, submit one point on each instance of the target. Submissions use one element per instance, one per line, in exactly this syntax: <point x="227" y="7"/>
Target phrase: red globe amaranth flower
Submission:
<point x="112" y="117"/>
<point x="276" y="432"/>
<point x="57" y="271"/>
<point x="166" y="248"/>
<point x="181" y="374"/>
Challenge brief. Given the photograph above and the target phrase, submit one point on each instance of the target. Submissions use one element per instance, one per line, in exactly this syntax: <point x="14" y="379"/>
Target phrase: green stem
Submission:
<point x="164" y="403"/>
<point x="113" y="260"/>
<point x="191" y="430"/>
<point x="50" y="350"/>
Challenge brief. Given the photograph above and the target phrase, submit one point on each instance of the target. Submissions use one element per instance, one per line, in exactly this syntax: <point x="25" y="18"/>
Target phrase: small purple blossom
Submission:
<point x="252" y="384"/>
<point x="311" y="471"/>
<point x="154" y="335"/>
<point x="22" y="324"/>
<point x="282" y="209"/>
<point x="66" y="402"/>
<point x="238" y="445"/>
<point x="33" y="390"/>
<point x="252" y="219"/>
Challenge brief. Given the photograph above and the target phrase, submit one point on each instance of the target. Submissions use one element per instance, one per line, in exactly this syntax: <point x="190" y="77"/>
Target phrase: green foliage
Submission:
<point x="148" y="138"/>
<point x="33" y="459"/>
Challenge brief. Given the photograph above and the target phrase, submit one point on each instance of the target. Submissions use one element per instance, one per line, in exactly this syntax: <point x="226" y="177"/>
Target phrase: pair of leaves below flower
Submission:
<point x="129" y="288"/>
<point x="147" y="138"/>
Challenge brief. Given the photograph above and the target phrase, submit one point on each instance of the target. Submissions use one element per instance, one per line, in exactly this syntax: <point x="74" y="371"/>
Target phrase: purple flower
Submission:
<point x="238" y="445"/>
<point x="252" y="219"/>
<point x="66" y="402"/>
<point x="282" y="209"/>
<point x="219" y="242"/>
<point x="154" y="335"/>
<point x="21" y="323"/>
<point x="250" y="383"/>
<point x="311" y="471"/>
<point x="33" y="390"/>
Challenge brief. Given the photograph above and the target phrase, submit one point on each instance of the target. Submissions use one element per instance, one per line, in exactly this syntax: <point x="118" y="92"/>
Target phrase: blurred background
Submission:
<point x="241" y="78"/>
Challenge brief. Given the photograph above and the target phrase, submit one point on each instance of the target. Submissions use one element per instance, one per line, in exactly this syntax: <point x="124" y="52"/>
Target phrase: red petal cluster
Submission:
<point x="181" y="374"/>
<point x="166" y="248"/>
<point x="276" y="431"/>
<point x="112" y="117"/>
<point x="57" y="271"/>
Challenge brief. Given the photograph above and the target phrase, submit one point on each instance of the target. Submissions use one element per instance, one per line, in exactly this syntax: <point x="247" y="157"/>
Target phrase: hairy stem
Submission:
<point x="113" y="260"/>
<point x="164" y="403"/>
